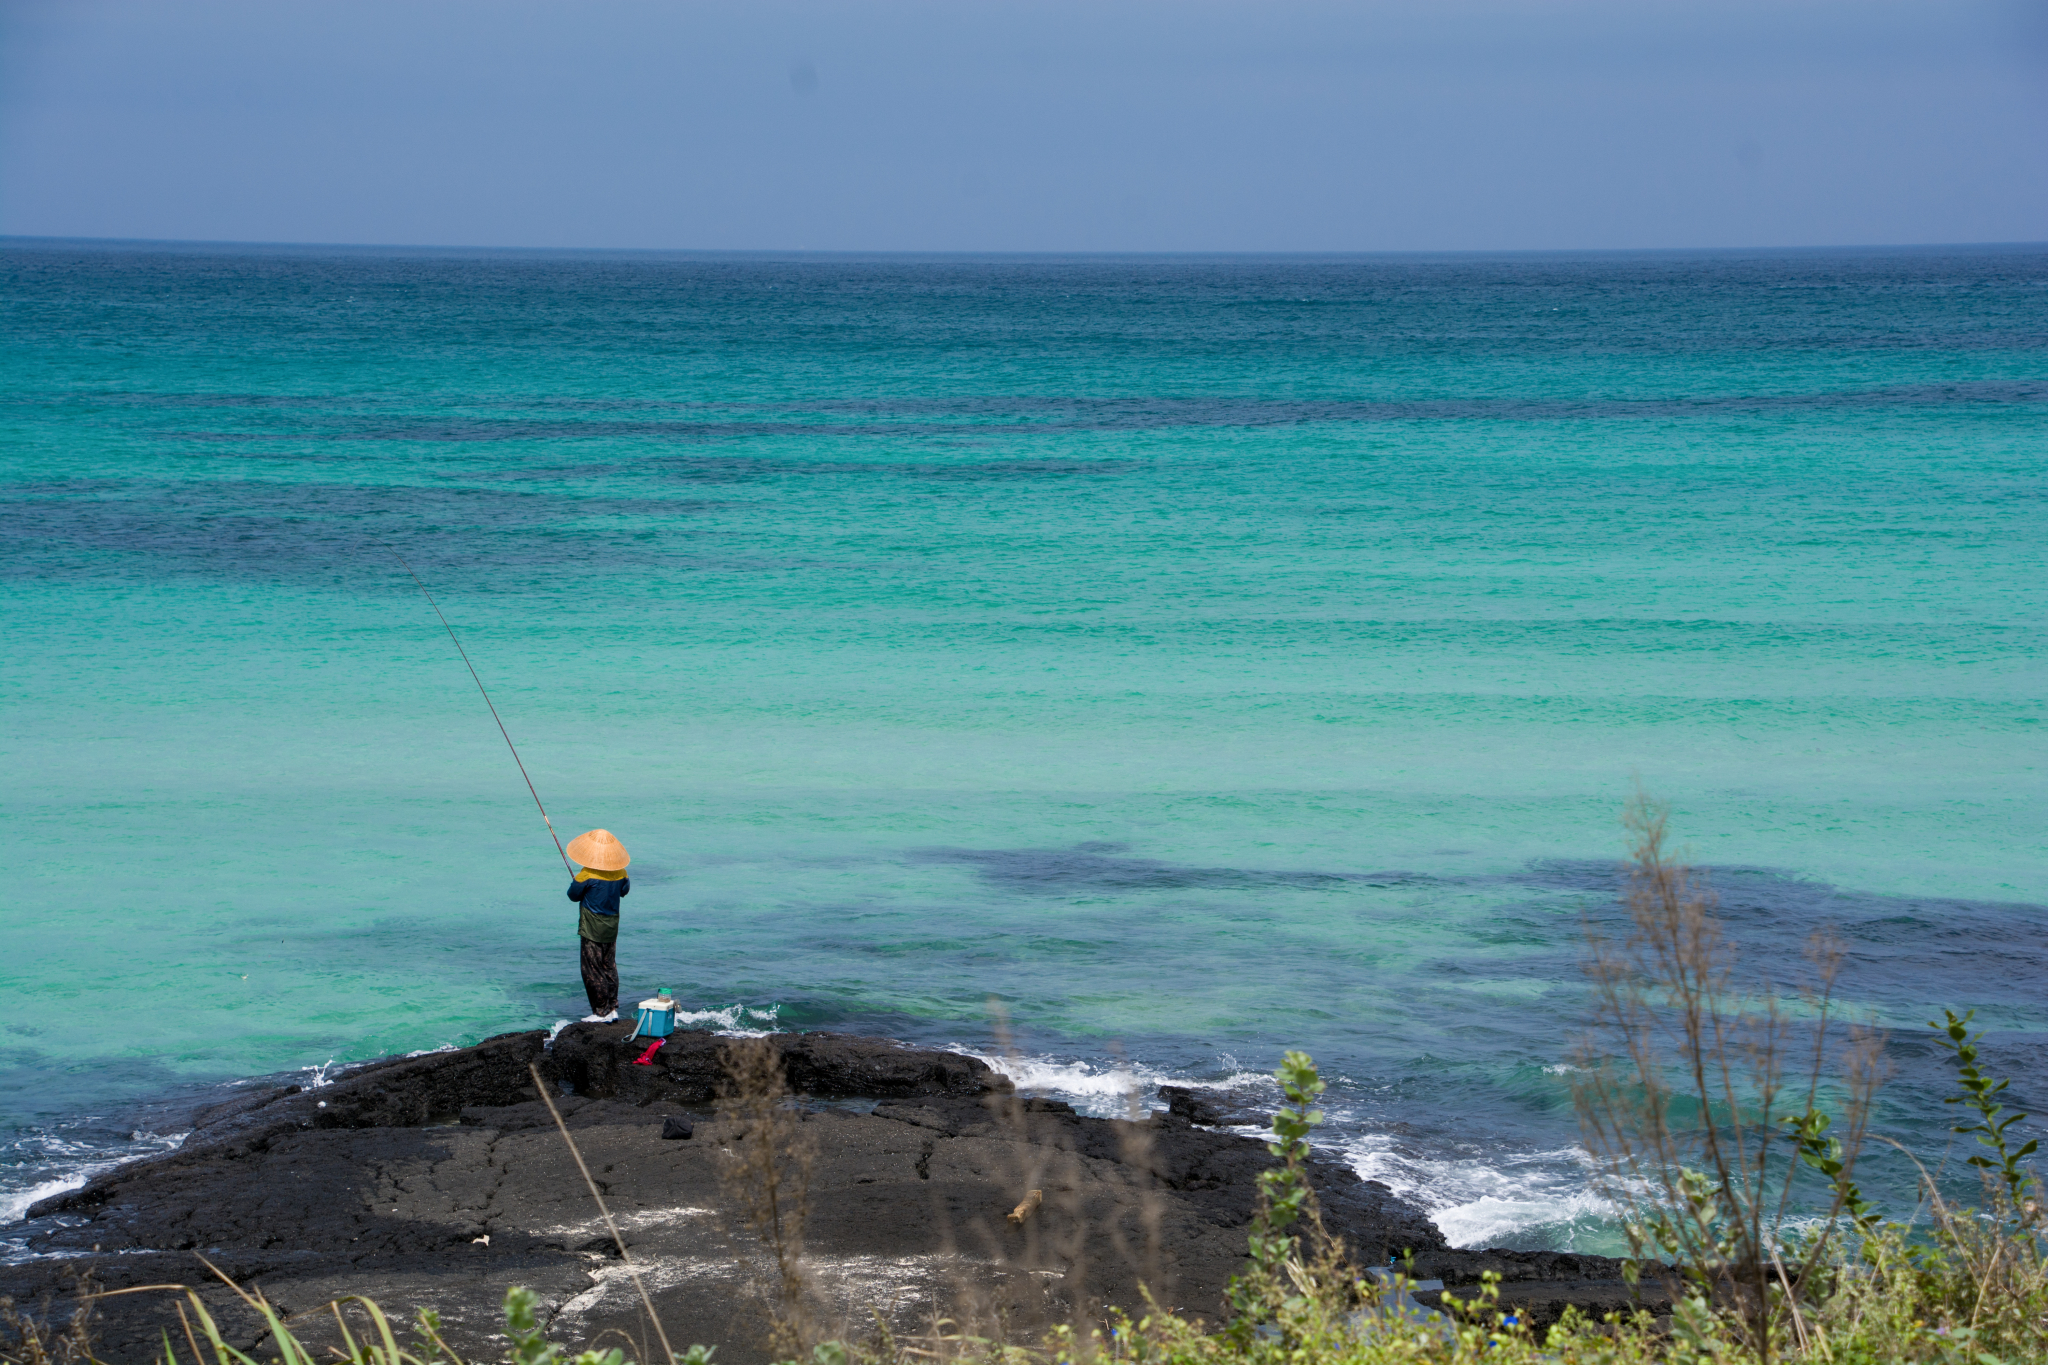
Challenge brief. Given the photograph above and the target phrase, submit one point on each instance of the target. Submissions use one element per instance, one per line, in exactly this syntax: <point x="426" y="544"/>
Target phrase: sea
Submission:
<point x="1122" y="668"/>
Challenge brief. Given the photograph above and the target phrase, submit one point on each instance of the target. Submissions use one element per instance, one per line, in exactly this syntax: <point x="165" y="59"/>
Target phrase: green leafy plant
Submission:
<point x="530" y="1345"/>
<point x="1981" y="1092"/>
<point x="1824" y="1153"/>
<point x="1284" y="1196"/>
<point x="1285" y="1187"/>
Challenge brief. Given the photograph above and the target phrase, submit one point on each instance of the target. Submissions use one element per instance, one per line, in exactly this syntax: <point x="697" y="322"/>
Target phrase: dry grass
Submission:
<point x="769" y="1179"/>
<point x="38" y="1338"/>
<point x="1701" y="1095"/>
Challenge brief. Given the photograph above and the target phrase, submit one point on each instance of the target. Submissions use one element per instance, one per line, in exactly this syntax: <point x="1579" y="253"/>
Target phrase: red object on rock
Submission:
<point x="647" y="1058"/>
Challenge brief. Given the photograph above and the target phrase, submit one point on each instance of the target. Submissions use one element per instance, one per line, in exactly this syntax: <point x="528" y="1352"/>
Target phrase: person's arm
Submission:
<point x="625" y="885"/>
<point x="577" y="891"/>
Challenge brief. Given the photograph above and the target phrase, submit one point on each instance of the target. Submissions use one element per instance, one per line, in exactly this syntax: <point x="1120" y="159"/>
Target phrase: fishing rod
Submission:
<point x="487" y="702"/>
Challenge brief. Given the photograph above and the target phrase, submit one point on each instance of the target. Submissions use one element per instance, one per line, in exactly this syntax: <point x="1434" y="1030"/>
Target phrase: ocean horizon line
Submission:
<point x="212" y="246"/>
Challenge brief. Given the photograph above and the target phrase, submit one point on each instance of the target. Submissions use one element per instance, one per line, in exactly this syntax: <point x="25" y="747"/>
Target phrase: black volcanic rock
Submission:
<point x="595" y="1060"/>
<point x="1209" y="1108"/>
<point x="442" y="1180"/>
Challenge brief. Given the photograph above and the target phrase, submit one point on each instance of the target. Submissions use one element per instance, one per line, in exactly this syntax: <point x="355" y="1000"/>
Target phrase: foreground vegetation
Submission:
<point x="1715" y="1122"/>
<point x="1968" y="1286"/>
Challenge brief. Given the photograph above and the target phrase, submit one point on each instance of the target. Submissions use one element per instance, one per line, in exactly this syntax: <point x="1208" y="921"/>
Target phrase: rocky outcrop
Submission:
<point x="399" y="1092"/>
<point x="442" y="1179"/>
<point x="689" y="1068"/>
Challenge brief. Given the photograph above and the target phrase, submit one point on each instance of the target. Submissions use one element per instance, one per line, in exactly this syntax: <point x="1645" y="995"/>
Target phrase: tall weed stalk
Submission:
<point x="769" y="1177"/>
<point x="1701" y="1099"/>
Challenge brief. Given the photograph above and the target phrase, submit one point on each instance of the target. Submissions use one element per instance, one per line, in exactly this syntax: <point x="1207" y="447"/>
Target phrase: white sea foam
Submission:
<point x="1492" y="1220"/>
<point x="80" y="1162"/>
<point x="1094" y="1088"/>
<point x="1541" y="1197"/>
<point x="734" y="1021"/>
<point x="15" y="1203"/>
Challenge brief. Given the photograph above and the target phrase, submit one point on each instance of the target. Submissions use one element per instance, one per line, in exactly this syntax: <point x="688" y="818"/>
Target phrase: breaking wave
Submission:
<point x="1539" y="1198"/>
<point x="1107" y="1090"/>
<point x="734" y="1021"/>
<point x="40" y="1164"/>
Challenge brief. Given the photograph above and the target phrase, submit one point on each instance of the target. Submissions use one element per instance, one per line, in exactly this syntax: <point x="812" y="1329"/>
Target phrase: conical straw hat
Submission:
<point x="597" y="849"/>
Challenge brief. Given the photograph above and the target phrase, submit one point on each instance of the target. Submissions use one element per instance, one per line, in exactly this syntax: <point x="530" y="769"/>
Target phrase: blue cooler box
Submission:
<point x="657" y="1019"/>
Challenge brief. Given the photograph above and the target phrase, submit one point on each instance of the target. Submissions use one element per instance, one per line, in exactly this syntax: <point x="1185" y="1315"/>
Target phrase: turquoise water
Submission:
<point x="1185" y="659"/>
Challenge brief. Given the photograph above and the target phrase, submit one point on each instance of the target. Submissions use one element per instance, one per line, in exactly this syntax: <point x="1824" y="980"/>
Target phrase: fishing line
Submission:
<point x="487" y="702"/>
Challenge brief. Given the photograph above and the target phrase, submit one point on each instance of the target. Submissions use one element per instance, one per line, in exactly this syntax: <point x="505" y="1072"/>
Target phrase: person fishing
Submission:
<point x="599" y="885"/>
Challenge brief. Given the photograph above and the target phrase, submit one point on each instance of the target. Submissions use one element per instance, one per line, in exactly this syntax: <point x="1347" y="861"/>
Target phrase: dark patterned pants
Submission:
<point x="601" y="976"/>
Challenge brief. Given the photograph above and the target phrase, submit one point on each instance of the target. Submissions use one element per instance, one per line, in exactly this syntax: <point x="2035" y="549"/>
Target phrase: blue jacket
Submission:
<point x="600" y="899"/>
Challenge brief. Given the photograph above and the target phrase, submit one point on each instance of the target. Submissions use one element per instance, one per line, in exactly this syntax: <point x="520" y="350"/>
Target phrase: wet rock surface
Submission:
<point x="442" y="1180"/>
<point x="1211" y="1109"/>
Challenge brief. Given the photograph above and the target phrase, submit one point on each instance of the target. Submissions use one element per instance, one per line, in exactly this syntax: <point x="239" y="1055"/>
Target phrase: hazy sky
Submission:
<point x="1167" y="125"/>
